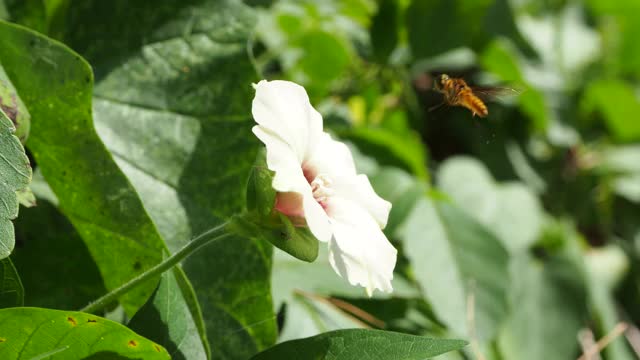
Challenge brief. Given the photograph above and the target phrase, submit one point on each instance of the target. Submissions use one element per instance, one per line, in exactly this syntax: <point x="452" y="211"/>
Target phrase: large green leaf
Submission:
<point x="49" y="244"/>
<point x="361" y="344"/>
<point x="167" y="320"/>
<point x="510" y="209"/>
<point x="548" y="301"/>
<point x="28" y="333"/>
<point x="15" y="174"/>
<point x="455" y="260"/>
<point x="616" y="102"/>
<point x="172" y="103"/>
<point x="11" y="290"/>
<point x="55" y="84"/>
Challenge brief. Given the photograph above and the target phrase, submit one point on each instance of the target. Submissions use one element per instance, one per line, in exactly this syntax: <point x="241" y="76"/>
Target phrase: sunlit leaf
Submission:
<point x="28" y="333"/>
<point x="15" y="175"/>
<point x="55" y="84"/>
<point x="457" y="261"/>
<point x="615" y="102"/>
<point x="361" y="344"/>
<point x="509" y="209"/>
<point x="167" y="319"/>
<point x="548" y="302"/>
<point x="173" y="105"/>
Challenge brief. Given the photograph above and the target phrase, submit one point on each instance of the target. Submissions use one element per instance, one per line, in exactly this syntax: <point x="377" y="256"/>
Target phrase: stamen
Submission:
<point x="321" y="188"/>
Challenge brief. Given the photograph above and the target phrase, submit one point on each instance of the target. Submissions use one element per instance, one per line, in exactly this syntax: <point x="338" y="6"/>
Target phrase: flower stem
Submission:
<point x="199" y="241"/>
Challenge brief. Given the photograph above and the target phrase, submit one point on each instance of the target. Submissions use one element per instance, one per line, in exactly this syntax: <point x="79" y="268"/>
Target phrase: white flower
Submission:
<point x="316" y="182"/>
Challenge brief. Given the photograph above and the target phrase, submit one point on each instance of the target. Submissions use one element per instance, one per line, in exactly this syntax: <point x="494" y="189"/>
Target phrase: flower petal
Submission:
<point x="359" y="251"/>
<point x="283" y="108"/>
<point x="331" y="158"/>
<point x="282" y="160"/>
<point x="317" y="219"/>
<point x="359" y="190"/>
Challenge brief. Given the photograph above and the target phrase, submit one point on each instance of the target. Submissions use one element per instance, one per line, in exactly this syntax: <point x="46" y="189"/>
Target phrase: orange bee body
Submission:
<point x="457" y="93"/>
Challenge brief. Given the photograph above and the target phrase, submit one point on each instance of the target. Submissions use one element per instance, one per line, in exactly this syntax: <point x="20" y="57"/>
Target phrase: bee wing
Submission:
<point x="489" y="93"/>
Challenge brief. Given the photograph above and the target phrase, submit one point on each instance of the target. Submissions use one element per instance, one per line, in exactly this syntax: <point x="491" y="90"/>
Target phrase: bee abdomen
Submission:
<point x="477" y="106"/>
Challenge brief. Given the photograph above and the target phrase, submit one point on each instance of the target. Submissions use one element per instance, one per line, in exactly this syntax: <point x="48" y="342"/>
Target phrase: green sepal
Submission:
<point x="262" y="221"/>
<point x="261" y="196"/>
<point x="278" y="230"/>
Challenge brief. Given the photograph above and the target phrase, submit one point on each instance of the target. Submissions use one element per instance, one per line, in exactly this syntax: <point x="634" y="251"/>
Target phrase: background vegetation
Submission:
<point x="519" y="232"/>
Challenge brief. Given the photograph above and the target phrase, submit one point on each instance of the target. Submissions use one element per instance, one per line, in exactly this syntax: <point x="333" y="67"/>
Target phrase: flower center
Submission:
<point x="321" y="189"/>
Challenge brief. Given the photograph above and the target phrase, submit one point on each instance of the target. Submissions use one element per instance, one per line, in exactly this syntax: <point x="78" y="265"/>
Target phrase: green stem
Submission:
<point x="199" y="241"/>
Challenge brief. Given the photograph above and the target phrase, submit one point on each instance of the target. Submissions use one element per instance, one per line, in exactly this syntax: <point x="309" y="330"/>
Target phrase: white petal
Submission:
<point x="359" y="251"/>
<point x="283" y="108"/>
<point x="358" y="189"/>
<point x="331" y="158"/>
<point x="317" y="219"/>
<point x="282" y="160"/>
<point x="289" y="178"/>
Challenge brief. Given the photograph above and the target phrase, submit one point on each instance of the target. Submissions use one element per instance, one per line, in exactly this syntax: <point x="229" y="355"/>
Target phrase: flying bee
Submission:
<point x="457" y="93"/>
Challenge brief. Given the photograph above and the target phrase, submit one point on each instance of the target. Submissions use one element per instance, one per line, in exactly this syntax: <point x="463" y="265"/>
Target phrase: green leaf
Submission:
<point x="15" y="174"/>
<point x="405" y="152"/>
<point x="621" y="162"/>
<point x="301" y="289"/>
<point x="509" y="209"/>
<point x="455" y="259"/>
<point x="55" y="84"/>
<point x="172" y="103"/>
<point x="326" y="58"/>
<point x="298" y="290"/>
<point x="361" y="344"/>
<point x="384" y="31"/>
<point x="51" y="245"/>
<point x="615" y="102"/>
<point x="619" y="29"/>
<point x="426" y="21"/>
<point x="27" y="333"/>
<point x="501" y="59"/>
<point x="552" y="288"/>
<point x="166" y="318"/>
<point x="605" y="267"/>
<point x="438" y="26"/>
<point x="14" y="108"/>
<point x="30" y="13"/>
<point x="400" y="189"/>
<point x="11" y="290"/>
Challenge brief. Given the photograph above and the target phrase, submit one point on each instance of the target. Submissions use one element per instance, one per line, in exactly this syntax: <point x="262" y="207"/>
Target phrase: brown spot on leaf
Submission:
<point x="132" y="343"/>
<point x="92" y="320"/>
<point x="155" y="346"/>
<point x="72" y="321"/>
<point x="2" y="339"/>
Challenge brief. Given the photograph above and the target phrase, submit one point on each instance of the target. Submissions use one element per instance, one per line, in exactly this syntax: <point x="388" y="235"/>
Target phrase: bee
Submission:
<point x="457" y="93"/>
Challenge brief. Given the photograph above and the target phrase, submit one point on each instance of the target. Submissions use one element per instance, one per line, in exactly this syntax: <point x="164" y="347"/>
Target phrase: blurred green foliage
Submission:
<point x="552" y="175"/>
<point x="519" y="232"/>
